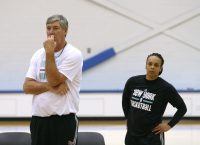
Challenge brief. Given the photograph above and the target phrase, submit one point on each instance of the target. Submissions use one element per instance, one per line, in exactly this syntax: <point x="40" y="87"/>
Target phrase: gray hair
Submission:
<point x="61" y="19"/>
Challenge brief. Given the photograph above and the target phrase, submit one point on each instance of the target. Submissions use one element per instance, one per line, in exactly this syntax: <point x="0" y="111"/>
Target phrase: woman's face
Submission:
<point x="153" y="67"/>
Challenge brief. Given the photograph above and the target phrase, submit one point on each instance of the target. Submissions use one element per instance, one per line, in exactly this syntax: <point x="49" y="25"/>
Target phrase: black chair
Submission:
<point x="24" y="138"/>
<point x="90" y="138"/>
<point x="15" y="138"/>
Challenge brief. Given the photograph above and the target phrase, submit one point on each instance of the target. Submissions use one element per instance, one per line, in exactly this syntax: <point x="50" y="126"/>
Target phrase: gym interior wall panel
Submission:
<point x="91" y="106"/>
<point x="8" y="106"/>
<point x="18" y="105"/>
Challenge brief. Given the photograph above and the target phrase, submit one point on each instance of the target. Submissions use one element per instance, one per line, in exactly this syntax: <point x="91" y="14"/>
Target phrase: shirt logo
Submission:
<point x="42" y="74"/>
<point x="142" y="99"/>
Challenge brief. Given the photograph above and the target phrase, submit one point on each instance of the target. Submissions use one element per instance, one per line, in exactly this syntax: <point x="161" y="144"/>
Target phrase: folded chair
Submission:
<point x="24" y="138"/>
<point x="15" y="138"/>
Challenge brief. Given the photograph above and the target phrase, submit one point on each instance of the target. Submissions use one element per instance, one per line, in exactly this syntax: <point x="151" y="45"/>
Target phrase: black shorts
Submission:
<point x="54" y="130"/>
<point x="149" y="139"/>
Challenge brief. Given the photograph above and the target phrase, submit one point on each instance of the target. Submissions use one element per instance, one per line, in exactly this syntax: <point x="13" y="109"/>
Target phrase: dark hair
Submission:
<point x="61" y="19"/>
<point x="161" y="58"/>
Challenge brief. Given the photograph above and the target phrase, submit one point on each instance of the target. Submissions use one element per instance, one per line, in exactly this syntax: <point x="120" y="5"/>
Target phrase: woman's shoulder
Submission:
<point x="136" y="78"/>
<point x="166" y="83"/>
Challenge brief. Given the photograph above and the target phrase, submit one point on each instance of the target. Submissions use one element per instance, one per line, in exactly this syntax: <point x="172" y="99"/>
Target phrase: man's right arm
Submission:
<point x="34" y="87"/>
<point x="31" y="86"/>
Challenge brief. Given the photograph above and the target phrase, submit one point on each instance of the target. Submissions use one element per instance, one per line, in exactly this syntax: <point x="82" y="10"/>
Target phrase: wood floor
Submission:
<point x="186" y="132"/>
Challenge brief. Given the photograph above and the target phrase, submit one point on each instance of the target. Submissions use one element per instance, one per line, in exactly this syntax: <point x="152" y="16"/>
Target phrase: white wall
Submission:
<point x="91" y="105"/>
<point x="134" y="28"/>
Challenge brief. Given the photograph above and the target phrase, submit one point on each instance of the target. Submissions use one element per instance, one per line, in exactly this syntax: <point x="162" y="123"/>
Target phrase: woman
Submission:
<point x="145" y="98"/>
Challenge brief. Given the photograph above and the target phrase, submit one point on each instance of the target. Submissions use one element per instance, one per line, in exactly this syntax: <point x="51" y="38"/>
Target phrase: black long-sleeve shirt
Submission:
<point x="144" y="103"/>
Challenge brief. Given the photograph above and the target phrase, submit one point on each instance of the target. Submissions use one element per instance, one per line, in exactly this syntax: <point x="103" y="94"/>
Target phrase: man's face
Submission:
<point x="153" y="67"/>
<point x="56" y="30"/>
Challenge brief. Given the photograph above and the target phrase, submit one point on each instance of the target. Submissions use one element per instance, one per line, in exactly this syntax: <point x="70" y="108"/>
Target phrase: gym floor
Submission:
<point x="186" y="132"/>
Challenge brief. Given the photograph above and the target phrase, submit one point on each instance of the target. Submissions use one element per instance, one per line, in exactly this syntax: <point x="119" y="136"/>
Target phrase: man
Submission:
<point x="53" y="78"/>
<point x="144" y="101"/>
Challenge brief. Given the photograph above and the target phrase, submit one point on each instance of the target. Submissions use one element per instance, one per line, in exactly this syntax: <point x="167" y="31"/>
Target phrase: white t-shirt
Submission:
<point x="69" y="62"/>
